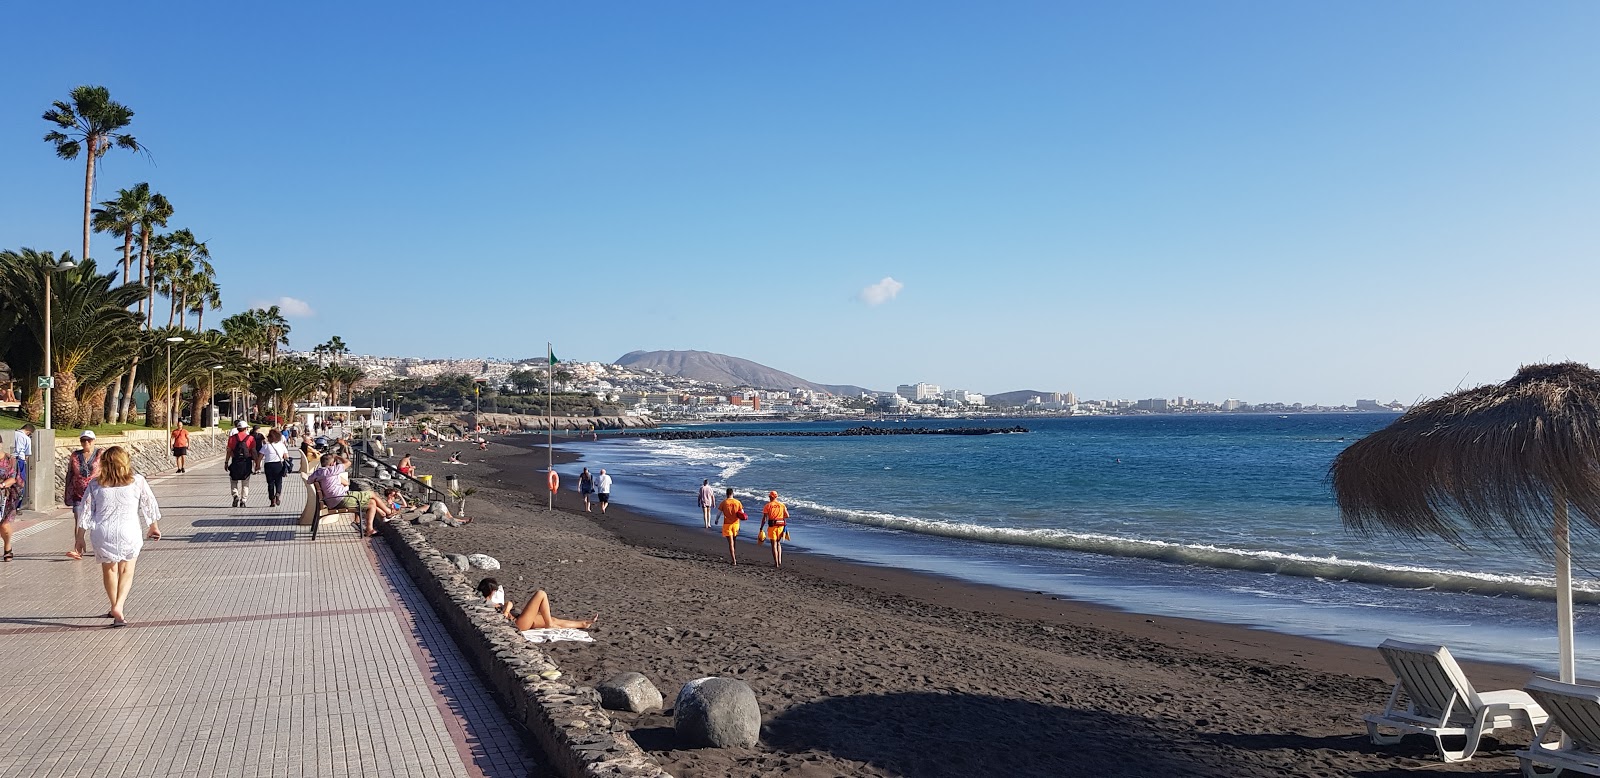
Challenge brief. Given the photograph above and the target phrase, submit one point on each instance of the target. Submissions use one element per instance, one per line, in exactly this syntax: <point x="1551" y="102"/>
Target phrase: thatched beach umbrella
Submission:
<point x="1507" y="463"/>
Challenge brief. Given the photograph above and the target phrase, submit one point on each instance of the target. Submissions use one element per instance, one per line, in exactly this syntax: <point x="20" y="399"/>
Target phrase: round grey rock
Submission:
<point x="717" y="712"/>
<point x="483" y="562"/>
<point x="460" y="561"/>
<point x="630" y="692"/>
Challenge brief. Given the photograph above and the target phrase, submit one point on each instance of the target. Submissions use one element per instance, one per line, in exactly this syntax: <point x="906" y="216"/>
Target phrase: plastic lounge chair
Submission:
<point x="1441" y="702"/>
<point x="1575" y="712"/>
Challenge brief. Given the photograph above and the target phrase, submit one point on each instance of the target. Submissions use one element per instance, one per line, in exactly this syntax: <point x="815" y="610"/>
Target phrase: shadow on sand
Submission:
<point x="930" y="734"/>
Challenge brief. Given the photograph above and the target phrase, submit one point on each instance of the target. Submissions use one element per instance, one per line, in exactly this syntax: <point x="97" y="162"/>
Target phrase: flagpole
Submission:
<point x="550" y="419"/>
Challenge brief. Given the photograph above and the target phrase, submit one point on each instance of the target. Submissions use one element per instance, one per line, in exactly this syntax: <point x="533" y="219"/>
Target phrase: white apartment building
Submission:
<point x="915" y="392"/>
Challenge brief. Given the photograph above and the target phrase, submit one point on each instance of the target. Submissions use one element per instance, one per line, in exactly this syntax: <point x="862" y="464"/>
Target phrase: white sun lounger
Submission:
<point x="1574" y="712"/>
<point x="1441" y="702"/>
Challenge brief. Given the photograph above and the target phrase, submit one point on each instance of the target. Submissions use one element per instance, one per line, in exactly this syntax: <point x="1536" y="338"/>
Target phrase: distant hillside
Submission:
<point x="726" y="370"/>
<point x="1011" y="399"/>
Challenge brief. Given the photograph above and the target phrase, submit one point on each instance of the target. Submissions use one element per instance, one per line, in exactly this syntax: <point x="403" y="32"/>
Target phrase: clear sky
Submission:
<point x="1270" y="201"/>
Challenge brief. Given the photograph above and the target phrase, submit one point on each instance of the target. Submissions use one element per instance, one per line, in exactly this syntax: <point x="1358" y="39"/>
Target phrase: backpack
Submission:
<point x="241" y="446"/>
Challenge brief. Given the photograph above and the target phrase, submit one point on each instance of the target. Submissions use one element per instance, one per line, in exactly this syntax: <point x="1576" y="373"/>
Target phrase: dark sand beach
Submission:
<point x="869" y="671"/>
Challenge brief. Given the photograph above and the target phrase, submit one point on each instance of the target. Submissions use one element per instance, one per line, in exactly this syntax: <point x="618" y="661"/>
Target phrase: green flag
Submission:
<point x="553" y="359"/>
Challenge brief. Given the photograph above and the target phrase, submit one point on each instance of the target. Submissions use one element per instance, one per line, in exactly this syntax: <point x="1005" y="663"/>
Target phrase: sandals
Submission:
<point x="9" y="556"/>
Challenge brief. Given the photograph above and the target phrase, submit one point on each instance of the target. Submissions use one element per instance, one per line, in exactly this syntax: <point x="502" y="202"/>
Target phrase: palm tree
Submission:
<point x="276" y="328"/>
<point x="206" y="294"/>
<point x="156" y="215"/>
<point x="179" y="260"/>
<point x="94" y="120"/>
<point x="120" y="217"/>
<point x="92" y="331"/>
<point x="149" y="210"/>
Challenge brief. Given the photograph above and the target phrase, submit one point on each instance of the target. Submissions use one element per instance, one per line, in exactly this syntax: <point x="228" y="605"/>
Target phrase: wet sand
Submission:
<point x="863" y="670"/>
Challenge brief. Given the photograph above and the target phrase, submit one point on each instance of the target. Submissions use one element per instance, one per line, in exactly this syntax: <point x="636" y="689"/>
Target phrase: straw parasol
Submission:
<point x="1516" y="463"/>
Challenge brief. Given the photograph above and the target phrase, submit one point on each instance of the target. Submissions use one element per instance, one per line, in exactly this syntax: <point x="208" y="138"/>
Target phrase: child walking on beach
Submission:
<point x="774" y="527"/>
<point x="732" y="514"/>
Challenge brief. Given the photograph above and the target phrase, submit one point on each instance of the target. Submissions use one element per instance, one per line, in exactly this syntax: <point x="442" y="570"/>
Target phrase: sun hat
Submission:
<point x="87" y="435"/>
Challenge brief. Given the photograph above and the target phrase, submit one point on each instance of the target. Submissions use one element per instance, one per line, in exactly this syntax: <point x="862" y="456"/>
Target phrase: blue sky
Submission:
<point x="1268" y="201"/>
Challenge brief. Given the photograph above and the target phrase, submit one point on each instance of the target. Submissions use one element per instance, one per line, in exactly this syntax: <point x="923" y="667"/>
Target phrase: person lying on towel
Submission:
<point x="535" y="615"/>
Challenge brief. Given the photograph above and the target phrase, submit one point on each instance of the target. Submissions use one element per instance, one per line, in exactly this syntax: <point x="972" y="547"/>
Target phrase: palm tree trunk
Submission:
<point x="200" y="318"/>
<point x="93" y="408"/>
<point x="88" y="194"/>
<point x="125" y="404"/>
<point x="172" y="309"/>
<point x="64" y="408"/>
<point x="147" y="278"/>
<point x="127" y="253"/>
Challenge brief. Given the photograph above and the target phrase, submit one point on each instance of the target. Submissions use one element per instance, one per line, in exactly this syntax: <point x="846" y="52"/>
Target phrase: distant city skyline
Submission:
<point x="1270" y="202"/>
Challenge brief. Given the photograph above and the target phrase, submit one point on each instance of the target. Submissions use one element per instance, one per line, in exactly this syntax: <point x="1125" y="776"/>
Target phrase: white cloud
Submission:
<point x="881" y="292"/>
<point x="290" y="307"/>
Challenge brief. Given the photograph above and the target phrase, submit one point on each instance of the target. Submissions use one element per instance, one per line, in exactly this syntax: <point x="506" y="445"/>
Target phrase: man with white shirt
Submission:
<point x="602" y="488"/>
<point x="22" y="449"/>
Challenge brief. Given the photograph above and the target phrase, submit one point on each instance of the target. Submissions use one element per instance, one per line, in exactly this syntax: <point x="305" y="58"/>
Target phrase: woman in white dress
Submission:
<point x="117" y="511"/>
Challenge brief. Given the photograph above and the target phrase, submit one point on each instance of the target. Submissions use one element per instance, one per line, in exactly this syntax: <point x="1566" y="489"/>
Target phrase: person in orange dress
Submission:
<point x="774" y="527"/>
<point x="732" y="513"/>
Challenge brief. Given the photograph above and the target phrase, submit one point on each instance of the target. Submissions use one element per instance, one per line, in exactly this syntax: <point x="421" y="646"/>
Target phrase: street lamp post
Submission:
<point x="49" y="367"/>
<point x="167" y="397"/>
<point x="211" y="399"/>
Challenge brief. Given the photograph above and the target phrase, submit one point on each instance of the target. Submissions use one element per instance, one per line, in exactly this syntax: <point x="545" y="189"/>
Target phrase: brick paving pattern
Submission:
<point x="251" y="651"/>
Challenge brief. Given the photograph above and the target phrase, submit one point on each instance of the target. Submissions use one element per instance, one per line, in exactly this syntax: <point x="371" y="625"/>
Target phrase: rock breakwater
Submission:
<point x="845" y="433"/>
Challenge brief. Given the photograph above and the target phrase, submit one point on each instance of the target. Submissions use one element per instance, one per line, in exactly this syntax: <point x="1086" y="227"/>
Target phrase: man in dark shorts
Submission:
<point x="180" y="447"/>
<point x="602" y="489"/>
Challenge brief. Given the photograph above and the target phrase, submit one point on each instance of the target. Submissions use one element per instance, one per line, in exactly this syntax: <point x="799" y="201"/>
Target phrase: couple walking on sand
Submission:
<point x="774" y="521"/>
<point x="599" y="487"/>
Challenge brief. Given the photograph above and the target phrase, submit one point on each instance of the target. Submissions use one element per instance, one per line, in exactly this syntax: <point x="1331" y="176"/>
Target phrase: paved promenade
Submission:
<point x="251" y="651"/>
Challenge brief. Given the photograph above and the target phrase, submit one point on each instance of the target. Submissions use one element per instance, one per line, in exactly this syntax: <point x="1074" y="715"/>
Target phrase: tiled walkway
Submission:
<point x="251" y="651"/>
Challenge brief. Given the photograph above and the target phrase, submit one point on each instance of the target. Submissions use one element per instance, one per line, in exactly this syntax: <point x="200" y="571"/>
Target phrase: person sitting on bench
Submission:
<point x="336" y="492"/>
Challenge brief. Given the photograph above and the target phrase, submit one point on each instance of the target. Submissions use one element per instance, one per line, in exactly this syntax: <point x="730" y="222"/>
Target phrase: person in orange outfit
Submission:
<point x="732" y="513"/>
<point x="774" y="527"/>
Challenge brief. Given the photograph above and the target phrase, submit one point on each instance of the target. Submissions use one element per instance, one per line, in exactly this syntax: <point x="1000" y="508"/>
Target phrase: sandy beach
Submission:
<point x="871" y="671"/>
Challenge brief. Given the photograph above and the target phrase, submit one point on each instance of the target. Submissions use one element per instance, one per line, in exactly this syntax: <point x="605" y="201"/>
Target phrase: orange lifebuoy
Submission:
<point x="555" y="480"/>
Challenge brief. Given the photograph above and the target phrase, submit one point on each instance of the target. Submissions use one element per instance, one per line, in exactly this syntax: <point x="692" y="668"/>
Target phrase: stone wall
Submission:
<point x="149" y="449"/>
<point x="577" y="736"/>
<point x="523" y="423"/>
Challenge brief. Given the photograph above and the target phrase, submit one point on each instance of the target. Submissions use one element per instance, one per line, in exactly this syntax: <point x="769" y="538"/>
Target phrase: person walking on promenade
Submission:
<point x="117" y="510"/>
<point x="240" y="461"/>
<point x="83" y="467"/>
<point x="585" y="486"/>
<point x="22" y="449"/>
<point x="602" y="489"/>
<point x="708" y="499"/>
<point x="732" y="514"/>
<point x="275" y="464"/>
<point x="10" y="497"/>
<point x="774" y="527"/>
<point x="180" y="447"/>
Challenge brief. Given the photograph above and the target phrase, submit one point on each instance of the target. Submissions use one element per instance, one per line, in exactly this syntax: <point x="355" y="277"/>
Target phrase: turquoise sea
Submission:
<point x="1218" y="517"/>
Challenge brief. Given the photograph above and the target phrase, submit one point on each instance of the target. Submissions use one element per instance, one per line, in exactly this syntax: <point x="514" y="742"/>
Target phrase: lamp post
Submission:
<point x="211" y="401"/>
<point x="49" y="366"/>
<point x="167" y="397"/>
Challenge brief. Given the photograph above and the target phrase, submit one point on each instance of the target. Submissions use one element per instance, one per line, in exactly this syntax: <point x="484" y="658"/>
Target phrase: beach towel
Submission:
<point x="556" y="635"/>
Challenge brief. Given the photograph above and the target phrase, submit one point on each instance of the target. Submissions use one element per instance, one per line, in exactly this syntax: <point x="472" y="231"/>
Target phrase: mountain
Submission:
<point x="1012" y="399"/>
<point x="726" y="370"/>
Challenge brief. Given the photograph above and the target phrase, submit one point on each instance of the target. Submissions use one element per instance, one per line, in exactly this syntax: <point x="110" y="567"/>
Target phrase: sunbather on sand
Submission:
<point x="535" y="615"/>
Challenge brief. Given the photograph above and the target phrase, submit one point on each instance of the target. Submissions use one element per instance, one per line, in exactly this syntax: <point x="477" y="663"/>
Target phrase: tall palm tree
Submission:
<point x="153" y="210"/>
<point x="92" y="331"/>
<point x="206" y="292"/>
<point x="120" y="216"/>
<point x="276" y="328"/>
<point x="180" y="260"/>
<point x="93" y="120"/>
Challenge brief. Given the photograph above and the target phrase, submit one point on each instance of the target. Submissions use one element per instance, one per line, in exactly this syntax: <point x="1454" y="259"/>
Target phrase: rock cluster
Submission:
<point x="522" y="423"/>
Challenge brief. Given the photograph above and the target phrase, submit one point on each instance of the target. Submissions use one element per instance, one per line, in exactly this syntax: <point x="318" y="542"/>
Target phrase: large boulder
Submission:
<point x="483" y="561"/>
<point x="630" y="692"/>
<point x="460" y="561"/>
<point x="717" y="712"/>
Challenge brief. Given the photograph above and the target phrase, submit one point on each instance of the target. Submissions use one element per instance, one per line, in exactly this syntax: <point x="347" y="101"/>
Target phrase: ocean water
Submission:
<point x="1224" y="518"/>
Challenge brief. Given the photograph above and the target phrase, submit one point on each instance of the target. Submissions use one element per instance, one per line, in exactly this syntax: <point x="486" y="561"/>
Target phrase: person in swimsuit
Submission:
<point x="774" y="527"/>
<point x="535" y="615"/>
<point x="405" y="467"/>
<point x="708" y="498"/>
<point x="732" y="513"/>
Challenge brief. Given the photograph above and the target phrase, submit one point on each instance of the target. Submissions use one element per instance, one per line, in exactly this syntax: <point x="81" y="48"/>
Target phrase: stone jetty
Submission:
<point x="845" y="433"/>
<point x="522" y="423"/>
